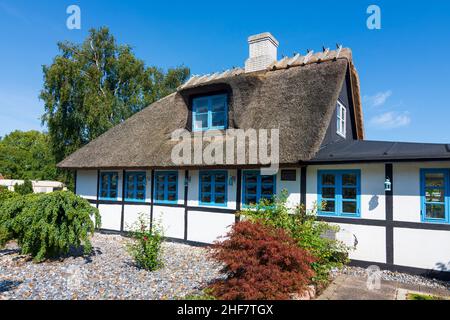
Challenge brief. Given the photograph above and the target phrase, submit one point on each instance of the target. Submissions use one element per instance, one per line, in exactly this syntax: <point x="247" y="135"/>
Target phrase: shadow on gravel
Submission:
<point x="7" y="252"/>
<point x="8" y="285"/>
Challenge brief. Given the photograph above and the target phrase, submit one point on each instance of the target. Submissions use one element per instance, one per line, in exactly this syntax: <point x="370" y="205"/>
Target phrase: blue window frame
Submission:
<point x="109" y="185"/>
<point x="339" y="191"/>
<point x="210" y="113"/>
<point x="257" y="187"/>
<point x="435" y="185"/>
<point x="213" y="188"/>
<point x="166" y="187"/>
<point x="135" y="185"/>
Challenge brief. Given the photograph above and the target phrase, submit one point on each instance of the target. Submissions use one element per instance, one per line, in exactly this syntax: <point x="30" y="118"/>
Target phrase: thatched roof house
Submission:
<point x="390" y="199"/>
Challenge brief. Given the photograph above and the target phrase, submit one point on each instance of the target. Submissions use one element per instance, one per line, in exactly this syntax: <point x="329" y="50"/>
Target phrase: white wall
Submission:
<point x="372" y="188"/>
<point x="111" y="216"/>
<point x="293" y="188"/>
<point x="132" y="213"/>
<point x="208" y="226"/>
<point x="427" y="249"/>
<point x="171" y="220"/>
<point x="371" y="241"/>
<point x="87" y="184"/>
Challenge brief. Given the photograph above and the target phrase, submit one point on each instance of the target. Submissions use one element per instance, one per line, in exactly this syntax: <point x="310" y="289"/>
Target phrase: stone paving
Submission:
<point x="349" y="287"/>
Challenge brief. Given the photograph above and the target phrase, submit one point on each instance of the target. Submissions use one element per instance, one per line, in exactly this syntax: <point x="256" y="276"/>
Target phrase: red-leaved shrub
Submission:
<point x="261" y="263"/>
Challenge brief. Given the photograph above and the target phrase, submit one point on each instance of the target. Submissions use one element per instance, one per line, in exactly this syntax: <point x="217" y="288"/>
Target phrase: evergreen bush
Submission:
<point x="49" y="225"/>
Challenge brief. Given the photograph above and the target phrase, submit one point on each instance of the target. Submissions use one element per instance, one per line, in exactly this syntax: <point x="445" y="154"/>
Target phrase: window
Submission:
<point x="213" y="188"/>
<point x="339" y="191"/>
<point x="135" y="186"/>
<point x="435" y="196"/>
<point x="341" y="118"/>
<point x="108" y="185"/>
<point x="257" y="187"/>
<point x="166" y="186"/>
<point x="209" y="113"/>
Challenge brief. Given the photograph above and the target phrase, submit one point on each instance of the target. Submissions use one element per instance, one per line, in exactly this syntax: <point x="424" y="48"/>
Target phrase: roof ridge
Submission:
<point x="285" y="62"/>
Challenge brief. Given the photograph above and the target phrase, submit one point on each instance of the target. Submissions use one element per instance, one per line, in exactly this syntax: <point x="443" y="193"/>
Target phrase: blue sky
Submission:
<point x="404" y="67"/>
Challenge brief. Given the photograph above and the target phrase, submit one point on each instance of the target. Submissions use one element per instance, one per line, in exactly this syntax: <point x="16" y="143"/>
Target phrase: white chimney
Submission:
<point x="263" y="52"/>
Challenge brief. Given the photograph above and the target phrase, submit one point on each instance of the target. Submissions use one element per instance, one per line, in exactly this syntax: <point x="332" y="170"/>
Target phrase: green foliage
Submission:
<point x="48" y="225"/>
<point x="206" y="294"/>
<point x="93" y="86"/>
<point x="418" y="296"/>
<point x="25" y="188"/>
<point x="146" y="248"/>
<point x="27" y="155"/>
<point x="309" y="233"/>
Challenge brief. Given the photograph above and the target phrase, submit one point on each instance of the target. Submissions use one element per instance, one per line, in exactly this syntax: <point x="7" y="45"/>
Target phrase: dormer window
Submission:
<point x="209" y="113"/>
<point x="341" y="119"/>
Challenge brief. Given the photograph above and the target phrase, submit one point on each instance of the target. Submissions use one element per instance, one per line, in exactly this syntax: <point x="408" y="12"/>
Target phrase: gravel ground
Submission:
<point x="108" y="274"/>
<point x="397" y="277"/>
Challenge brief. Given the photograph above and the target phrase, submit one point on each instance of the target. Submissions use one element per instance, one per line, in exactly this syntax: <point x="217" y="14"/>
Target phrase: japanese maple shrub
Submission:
<point x="261" y="263"/>
<point x="309" y="233"/>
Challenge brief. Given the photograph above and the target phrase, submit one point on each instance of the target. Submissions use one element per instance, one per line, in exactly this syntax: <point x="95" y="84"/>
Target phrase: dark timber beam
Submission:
<point x="389" y="215"/>
<point x="303" y="172"/>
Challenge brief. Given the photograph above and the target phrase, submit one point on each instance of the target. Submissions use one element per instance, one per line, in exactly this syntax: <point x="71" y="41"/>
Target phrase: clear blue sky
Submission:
<point x="404" y="67"/>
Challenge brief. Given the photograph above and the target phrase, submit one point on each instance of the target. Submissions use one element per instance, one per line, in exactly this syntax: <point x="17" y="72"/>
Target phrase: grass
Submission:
<point x="418" y="296"/>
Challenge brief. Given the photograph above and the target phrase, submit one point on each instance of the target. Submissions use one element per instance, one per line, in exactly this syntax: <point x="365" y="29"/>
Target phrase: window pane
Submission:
<point x="220" y="177"/>
<point x="328" y="193"/>
<point x="349" y="193"/>
<point x="206" y="178"/>
<point x="160" y="179"/>
<point x="140" y="195"/>
<point x="141" y="179"/>
<point x="218" y="104"/>
<point x="206" y="187"/>
<point x="206" y="197"/>
<point x="434" y="180"/>
<point x="130" y="194"/>
<point x="329" y="206"/>
<point x="251" y="178"/>
<point x="218" y="119"/>
<point x="328" y="179"/>
<point x="201" y="121"/>
<point x="220" y="199"/>
<point x="267" y="190"/>
<point x="349" y="179"/>
<point x="220" y="188"/>
<point x="251" y="189"/>
<point x="435" y="211"/>
<point x="172" y="196"/>
<point x="172" y="178"/>
<point x="201" y="105"/>
<point x="104" y="193"/>
<point x="113" y="194"/>
<point x="172" y="187"/>
<point x="160" y="187"/>
<point x="267" y="179"/>
<point x="160" y="195"/>
<point x="434" y="195"/>
<point x="349" y="207"/>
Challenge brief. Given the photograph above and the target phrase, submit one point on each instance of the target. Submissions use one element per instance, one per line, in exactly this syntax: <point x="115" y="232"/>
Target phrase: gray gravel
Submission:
<point x="108" y="274"/>
<point x="397" y="277"/>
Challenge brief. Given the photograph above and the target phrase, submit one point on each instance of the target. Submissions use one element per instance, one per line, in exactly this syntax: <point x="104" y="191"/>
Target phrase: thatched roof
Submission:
<point x="297" y="96"/>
